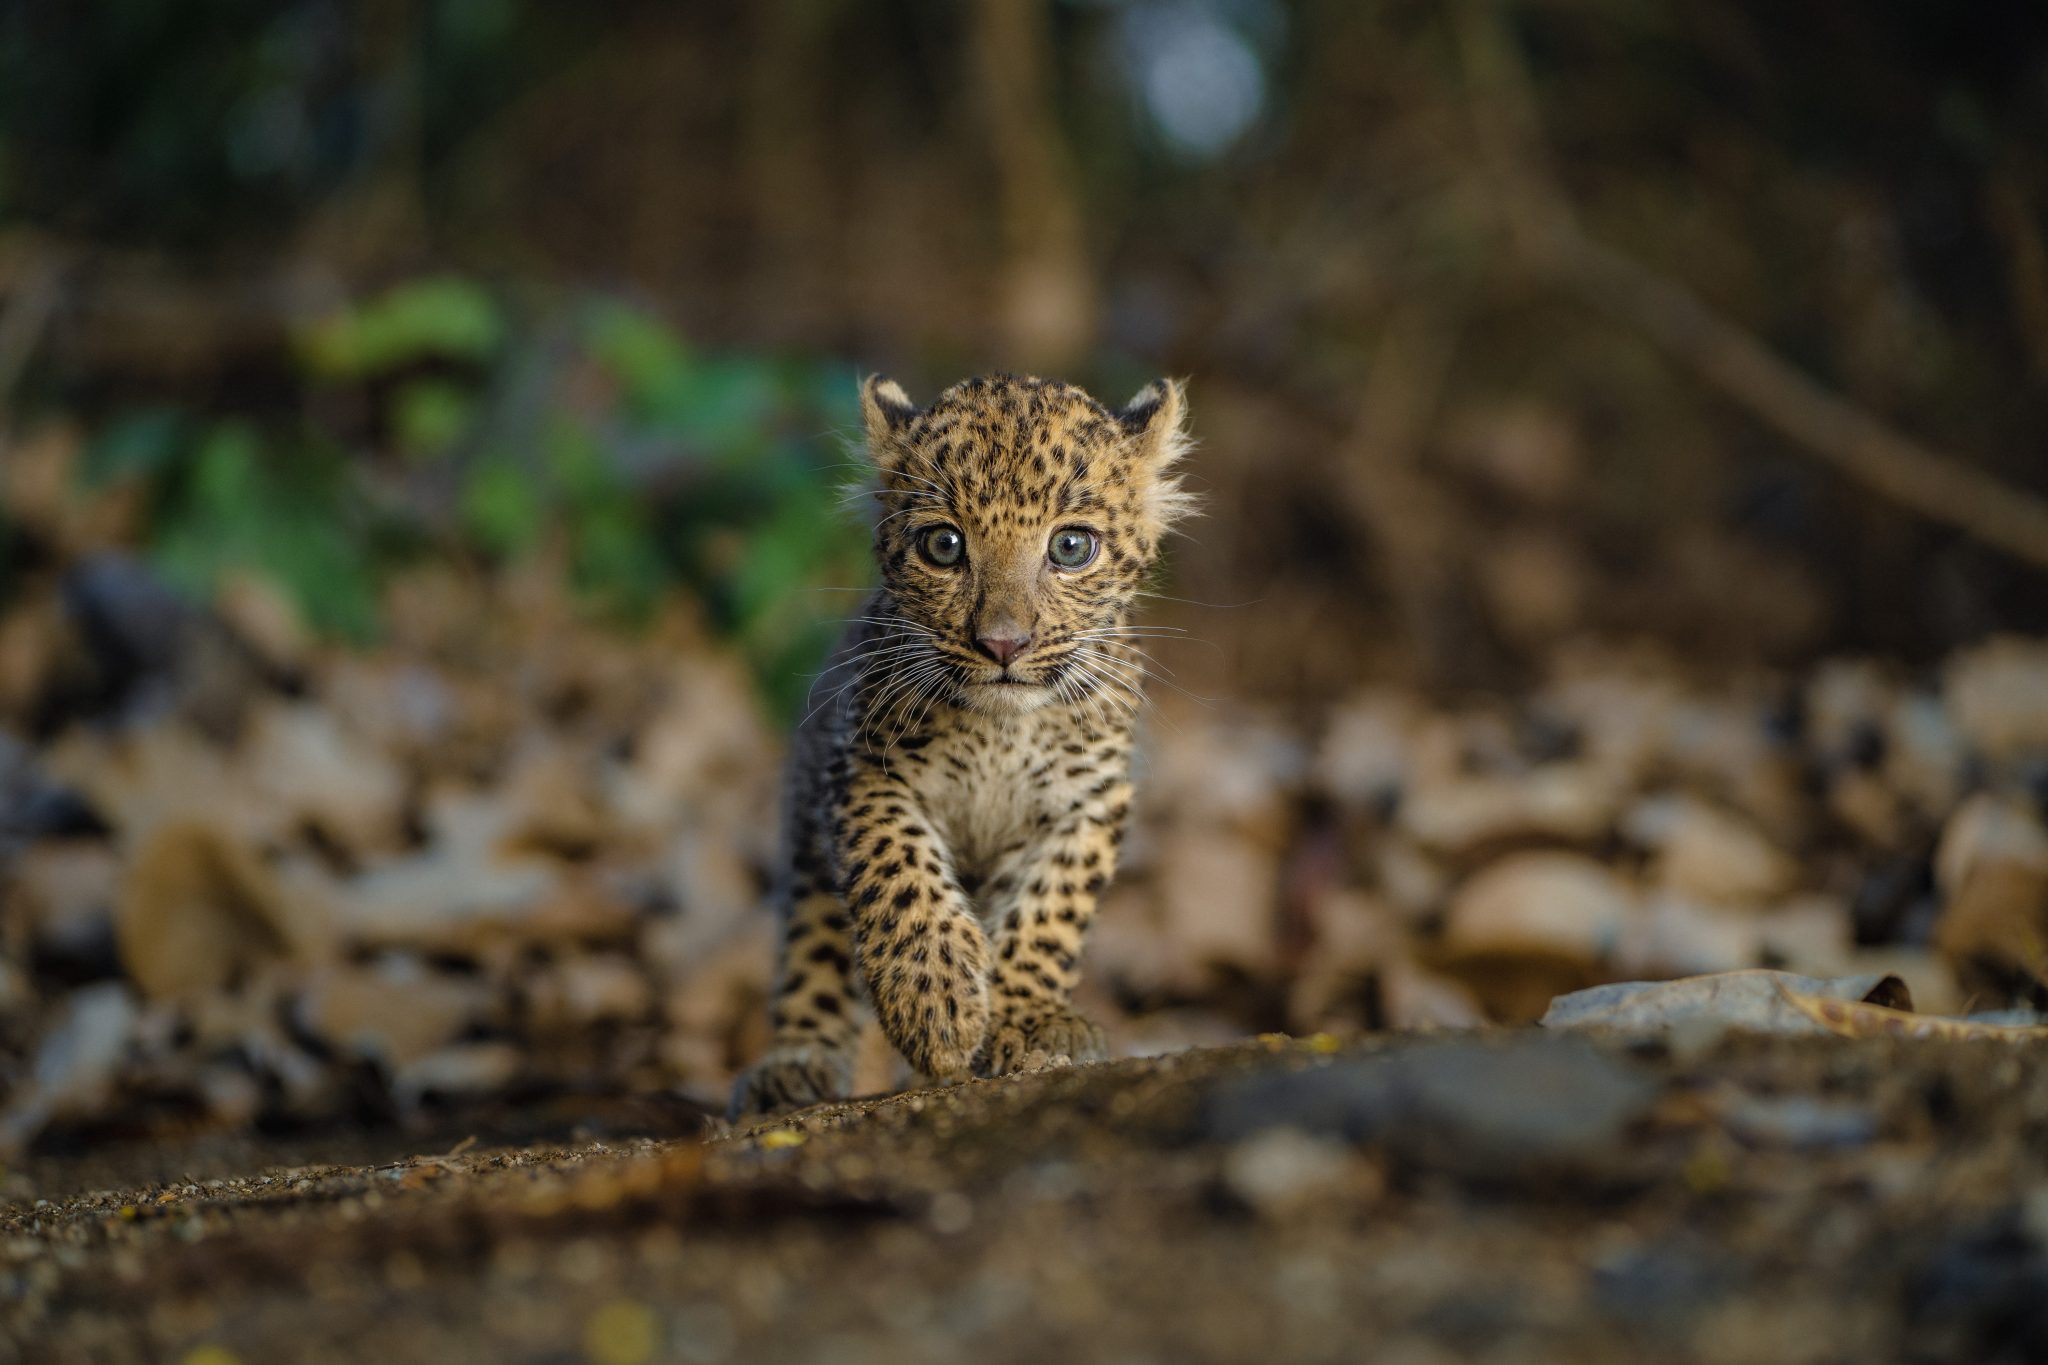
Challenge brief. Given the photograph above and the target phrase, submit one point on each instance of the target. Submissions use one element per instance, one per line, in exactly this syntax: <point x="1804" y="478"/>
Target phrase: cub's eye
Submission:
<point x="942" y="545"/>
<point x="1071" y="547"/>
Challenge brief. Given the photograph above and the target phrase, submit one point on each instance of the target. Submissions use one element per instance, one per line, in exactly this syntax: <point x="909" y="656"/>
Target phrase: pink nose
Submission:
<point x="1002" y="648"/>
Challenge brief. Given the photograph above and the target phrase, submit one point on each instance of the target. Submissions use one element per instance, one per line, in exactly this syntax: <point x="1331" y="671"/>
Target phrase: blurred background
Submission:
<point x="422" y="427"/>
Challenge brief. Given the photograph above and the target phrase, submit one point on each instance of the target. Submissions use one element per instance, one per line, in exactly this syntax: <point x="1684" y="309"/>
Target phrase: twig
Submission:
<point x="1895" y="466"/>
<point x="1048" y="301"/>
<point x="1542" y="224"/>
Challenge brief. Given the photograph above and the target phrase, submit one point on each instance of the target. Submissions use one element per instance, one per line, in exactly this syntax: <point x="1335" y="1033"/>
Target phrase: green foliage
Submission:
<point x="226" y="501"/>
<point x="443" y="318"/>
<point x="746" y="510"/>
<point x="647" y="466"/>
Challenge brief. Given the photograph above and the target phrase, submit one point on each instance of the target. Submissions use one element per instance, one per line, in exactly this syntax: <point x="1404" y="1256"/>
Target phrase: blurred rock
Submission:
<point x="1529" y="1106"/>
<point x="196" y="910"/>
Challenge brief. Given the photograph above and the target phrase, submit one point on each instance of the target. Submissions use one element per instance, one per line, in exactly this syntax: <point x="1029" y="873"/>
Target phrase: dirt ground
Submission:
<point x="1515" y="1197"/>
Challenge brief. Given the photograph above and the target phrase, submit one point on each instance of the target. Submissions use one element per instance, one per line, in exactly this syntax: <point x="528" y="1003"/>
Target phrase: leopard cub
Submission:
<point x="959" y="788"/>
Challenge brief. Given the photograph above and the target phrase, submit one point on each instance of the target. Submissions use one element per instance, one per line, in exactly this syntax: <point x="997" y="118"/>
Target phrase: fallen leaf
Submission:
<point x="1862" y="1019"/>
<point x="1755" y="1000"/>
<point x="197" y="910"/>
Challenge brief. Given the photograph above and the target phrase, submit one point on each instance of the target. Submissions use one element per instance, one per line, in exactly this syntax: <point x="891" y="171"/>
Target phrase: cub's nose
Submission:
<point x="1002" y="648"/>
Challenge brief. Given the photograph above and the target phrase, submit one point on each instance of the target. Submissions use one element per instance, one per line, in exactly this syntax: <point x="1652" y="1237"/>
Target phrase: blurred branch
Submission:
<point x="1048" y="299"/>
<point x="1544" y="229"/>
<point x="2026" y="262"/>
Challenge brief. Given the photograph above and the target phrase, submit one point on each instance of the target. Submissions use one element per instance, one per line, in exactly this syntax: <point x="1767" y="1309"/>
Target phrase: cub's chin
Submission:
<point x="1005" y="698"/>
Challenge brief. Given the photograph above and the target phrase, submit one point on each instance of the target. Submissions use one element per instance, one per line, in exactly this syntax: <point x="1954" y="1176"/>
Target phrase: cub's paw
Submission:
<point x="937" y="1020"/>
<point x="791" y="1077"/>
<point x="1033" y="1039"/>
<point x="931" y="996"/>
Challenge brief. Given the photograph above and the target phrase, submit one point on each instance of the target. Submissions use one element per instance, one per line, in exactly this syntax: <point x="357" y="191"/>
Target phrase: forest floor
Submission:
<point x="1510" y="1196"/>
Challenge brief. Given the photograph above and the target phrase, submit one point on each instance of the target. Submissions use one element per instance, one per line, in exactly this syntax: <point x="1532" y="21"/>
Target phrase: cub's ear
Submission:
<point x="1156" y="422"/>
<point x="1155" y="416"/>
<point x="884" y="408"/>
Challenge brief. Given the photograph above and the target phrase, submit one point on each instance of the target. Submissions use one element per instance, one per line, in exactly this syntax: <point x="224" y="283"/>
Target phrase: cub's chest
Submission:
<point x="989" y="788"/>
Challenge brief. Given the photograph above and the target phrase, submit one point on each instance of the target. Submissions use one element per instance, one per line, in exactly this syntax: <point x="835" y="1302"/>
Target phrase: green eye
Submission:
<point x="942" y="545"/>
<point x="1071" y="547"/>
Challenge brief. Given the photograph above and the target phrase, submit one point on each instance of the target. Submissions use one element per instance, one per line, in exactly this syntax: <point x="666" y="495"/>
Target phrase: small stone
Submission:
<point x="1281" y="1172"/>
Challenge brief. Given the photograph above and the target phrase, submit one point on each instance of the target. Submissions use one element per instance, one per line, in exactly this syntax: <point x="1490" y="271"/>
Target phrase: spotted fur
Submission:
<point x="956" y="807"/>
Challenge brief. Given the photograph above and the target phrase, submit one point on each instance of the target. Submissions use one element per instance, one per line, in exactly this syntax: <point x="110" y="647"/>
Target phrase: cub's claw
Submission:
<point x="1033" y="1040"/>
<point x="791" y="1078"/>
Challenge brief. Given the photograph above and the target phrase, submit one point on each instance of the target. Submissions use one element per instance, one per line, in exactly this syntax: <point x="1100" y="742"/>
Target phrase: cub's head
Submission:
<point x="1019" y="517"/>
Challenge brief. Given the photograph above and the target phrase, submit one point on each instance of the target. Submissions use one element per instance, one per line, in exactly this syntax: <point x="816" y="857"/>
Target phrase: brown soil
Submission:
<point x="1784" y="1200"/>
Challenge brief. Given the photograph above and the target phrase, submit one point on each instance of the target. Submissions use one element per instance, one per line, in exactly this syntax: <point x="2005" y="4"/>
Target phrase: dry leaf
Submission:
<point x="1863" y="1019"/>
<point x="197" y="910"/>
<point x="1757" y="1001"/>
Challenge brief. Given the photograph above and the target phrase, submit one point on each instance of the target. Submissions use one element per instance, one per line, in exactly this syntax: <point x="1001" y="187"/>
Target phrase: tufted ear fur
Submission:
<point x="1156" y="421"/>
<point x="884" y="408"/>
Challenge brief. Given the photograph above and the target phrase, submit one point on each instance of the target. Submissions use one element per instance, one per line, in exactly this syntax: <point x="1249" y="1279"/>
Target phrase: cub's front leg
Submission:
<point x="916" y="941"/>
<point x="1051" y="888"/>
